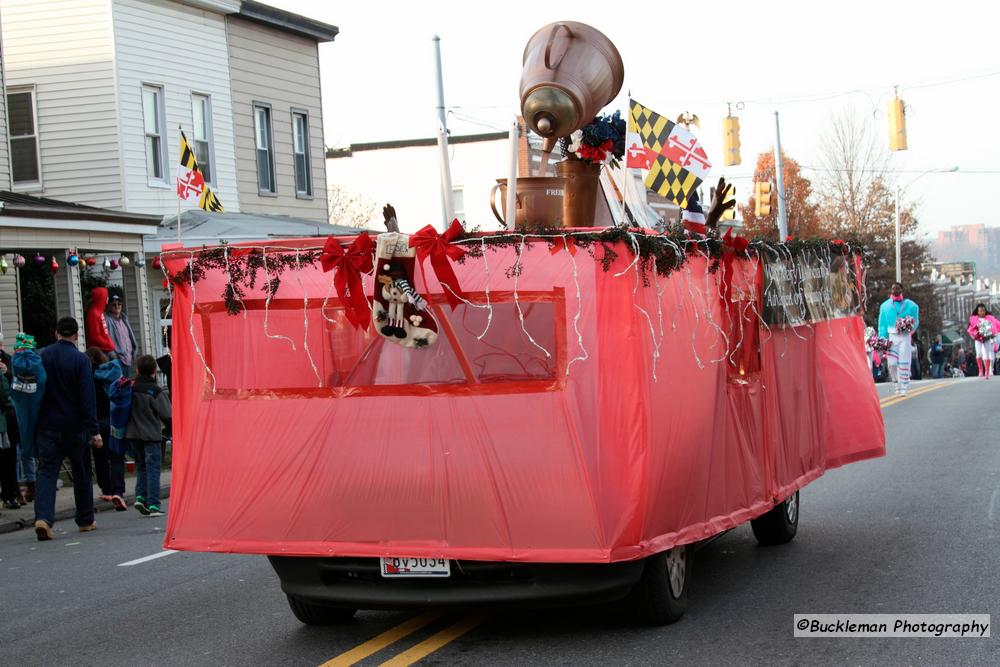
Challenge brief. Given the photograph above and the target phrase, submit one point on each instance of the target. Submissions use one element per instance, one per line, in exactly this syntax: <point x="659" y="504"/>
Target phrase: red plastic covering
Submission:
<point x="550" y="441"/>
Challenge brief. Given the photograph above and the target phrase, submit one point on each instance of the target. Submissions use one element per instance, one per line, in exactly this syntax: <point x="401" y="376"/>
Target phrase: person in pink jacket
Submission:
<point x="984" y="328"/>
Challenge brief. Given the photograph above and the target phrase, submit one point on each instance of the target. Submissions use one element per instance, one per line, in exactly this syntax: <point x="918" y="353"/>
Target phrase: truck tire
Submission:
<point x="661" y="596"/>
<point x="780" y="524"/>
<point x="311" y="613"/>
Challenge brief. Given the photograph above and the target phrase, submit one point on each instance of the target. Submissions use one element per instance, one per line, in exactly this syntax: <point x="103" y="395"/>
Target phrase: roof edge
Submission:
<point x="58" y="213"/>
<point x="287" y="21"/>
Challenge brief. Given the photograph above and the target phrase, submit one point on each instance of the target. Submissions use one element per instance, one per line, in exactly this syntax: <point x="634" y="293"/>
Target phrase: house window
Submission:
<point x="458" y="201"/>
<point x="300" y="148"/>
<point x="201" y="112"/>
<point x="152" y="120"/>
<point x="23" y="137"/>
<point x="265" y="149"/>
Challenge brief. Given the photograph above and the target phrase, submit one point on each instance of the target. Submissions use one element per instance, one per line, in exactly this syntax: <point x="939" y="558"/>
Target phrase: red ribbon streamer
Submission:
<point x="441" y="250"/>
<point x="695" y="227"/>
<point x="731" y="245"/>
<point x="348" y="265"/>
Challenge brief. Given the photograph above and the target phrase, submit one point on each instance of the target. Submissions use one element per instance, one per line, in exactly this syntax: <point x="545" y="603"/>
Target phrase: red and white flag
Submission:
<point x="682" y="148"/>
<point x="637" y="156"/>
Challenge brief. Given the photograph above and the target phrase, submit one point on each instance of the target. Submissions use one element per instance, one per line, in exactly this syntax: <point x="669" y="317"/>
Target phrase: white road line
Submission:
<point x="165" y="552"/>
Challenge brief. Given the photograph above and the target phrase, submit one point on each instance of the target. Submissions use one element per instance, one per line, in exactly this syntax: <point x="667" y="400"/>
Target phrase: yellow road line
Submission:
<point x="376" y="644"/>
<point x="899" y="399"/>
<point x="434" y="642"/>
<point x="915" y="392"/>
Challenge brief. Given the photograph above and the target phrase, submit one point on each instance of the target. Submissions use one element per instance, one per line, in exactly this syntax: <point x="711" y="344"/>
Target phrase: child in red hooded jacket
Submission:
<point x="96" y="326"/>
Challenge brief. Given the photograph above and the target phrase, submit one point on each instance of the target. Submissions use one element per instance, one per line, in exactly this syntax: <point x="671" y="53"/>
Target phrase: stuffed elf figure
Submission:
<point x="400" y="314"/>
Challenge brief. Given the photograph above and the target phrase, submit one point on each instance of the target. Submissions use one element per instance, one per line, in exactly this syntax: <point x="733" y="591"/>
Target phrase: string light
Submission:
<point x="267" y="304"/>
<point x="305" y="316"/>
<point x="197" y="348"/>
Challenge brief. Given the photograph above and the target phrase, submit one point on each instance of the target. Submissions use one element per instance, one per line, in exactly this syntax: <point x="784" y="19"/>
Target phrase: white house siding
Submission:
<point x="64" y="48"/>
<point x="410" y="179"/>
<point x="4" y="159"/>
<point x="282" y="70"/>
<point x="10" y="305"/>
<point x="182" y="49"/>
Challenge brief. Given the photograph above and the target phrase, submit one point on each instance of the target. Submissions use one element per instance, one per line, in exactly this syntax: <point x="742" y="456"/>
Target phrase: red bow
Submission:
<point x="567" y="243"/>
<point x="736" y="243"/>
<point x="439" y="247"/>
<point x="349" y="265"/>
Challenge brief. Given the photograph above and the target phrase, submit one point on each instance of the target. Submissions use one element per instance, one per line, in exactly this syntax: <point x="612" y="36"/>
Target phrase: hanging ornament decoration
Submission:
<point x="156" y="263"/>
<point x="90" y="260"/>
<point x="114" y="265"/>
<point x="54" y="266"/>
<point x="3" y="265"/>
<point x="124" y="261"/>
<point x="166" y="283"/>
<point x="39" y="259"/>
<point x="107" y="264"/>
<point x="140" y="261"/>
<point x="19" y="261"/>
<point x="73" y="259"/>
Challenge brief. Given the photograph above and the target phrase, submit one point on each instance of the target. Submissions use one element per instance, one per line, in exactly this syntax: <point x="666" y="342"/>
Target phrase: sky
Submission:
<point x="801" y="59"/>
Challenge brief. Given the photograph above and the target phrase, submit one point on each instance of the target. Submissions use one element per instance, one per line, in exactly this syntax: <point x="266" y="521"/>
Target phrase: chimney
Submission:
<point x="524" y="166"/>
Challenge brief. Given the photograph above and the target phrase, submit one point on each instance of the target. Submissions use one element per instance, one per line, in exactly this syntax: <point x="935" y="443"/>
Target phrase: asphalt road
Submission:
<point x="915" y="532"/>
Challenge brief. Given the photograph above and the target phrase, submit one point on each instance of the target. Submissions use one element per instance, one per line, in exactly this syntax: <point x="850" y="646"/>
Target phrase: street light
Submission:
<point x="899" y="254"/>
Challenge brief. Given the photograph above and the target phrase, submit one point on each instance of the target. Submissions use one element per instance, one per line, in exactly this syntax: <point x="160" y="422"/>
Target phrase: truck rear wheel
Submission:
<point x="780" y="524"/>
<point x="661" y="596"/>
<point x="311" y="613"/>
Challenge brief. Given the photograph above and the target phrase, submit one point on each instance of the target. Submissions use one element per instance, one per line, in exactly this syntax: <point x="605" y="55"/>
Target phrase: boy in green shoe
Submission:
<point x="150" y="407"/>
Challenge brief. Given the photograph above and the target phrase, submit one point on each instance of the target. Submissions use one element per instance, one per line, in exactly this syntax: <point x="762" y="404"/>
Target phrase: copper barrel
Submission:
<point x="539" y="201"/>
<point x="571" y="71"/>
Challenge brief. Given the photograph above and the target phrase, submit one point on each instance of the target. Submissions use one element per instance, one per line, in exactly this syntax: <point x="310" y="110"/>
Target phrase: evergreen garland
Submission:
<point x="659" y="253"/>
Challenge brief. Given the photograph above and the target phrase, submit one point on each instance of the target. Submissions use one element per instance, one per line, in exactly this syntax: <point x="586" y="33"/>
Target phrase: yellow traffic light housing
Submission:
<point x="730" y="213"/>
<point x="762" y="197"/>
<point x="897" y="125"/>
<point x="731" y="140"/>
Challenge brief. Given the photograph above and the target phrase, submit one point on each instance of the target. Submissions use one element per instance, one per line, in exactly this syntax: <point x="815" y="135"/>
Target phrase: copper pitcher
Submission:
<point x="571" y="71"/>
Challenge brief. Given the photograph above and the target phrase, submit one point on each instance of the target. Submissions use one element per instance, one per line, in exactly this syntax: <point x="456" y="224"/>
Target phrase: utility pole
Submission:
<point x="899" y="254"/>
<point x="447" y="206"/>
<point x="779" y="177"/>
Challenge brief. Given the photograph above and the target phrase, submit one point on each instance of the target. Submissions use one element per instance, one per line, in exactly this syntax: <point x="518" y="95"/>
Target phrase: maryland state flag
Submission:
<point x="676" y="161"/>
<point x="191" y="183"/>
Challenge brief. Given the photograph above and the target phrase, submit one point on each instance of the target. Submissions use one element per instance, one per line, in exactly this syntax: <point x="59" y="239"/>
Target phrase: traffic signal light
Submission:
<point x="730" y="213"/>
<point x="731" y="140"/>
<point x="762" y="197"/>
<point x="897" y="125"/>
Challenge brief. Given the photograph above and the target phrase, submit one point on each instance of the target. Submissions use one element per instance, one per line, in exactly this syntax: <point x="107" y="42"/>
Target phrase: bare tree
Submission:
<point x="857" y="201"/>
<point x="855" y="191"/>
<point x="352" y="209"/>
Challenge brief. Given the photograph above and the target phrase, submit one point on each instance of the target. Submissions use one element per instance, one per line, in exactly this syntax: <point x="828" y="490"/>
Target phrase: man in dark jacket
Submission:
<point x="67" y="426"/>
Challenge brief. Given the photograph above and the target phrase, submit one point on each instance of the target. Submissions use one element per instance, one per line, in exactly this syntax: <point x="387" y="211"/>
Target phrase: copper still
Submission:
<point x="580" y="199"/>
<point x="539" y="201"/>
<point x="570" y="72"/>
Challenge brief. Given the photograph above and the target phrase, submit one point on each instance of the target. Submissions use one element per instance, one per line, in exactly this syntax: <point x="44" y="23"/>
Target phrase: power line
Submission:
<point x="829" y="95"/>
<point x="901" y="171"/>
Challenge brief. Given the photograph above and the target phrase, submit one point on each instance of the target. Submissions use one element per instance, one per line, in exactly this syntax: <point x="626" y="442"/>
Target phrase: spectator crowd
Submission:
<point x="92" y="410"/>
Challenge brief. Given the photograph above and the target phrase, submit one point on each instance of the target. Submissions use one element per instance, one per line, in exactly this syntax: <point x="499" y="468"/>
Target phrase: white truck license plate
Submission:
<point x="415" y="567"/>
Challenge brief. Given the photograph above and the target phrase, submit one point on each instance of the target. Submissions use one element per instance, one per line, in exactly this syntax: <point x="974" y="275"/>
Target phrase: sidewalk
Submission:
<point x="11" y="520"/>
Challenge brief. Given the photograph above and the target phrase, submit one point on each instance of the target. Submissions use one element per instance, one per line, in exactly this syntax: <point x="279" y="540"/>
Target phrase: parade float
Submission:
<point x="542" y="413"/>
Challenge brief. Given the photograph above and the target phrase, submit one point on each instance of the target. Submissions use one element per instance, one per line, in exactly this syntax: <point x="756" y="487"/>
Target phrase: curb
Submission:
<point x="13" y="525"/>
